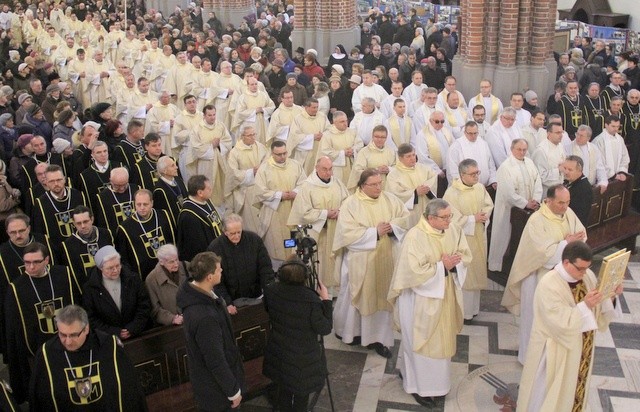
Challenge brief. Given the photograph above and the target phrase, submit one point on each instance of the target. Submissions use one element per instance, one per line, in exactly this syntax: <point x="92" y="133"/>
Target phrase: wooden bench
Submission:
<point x="611" y="223"/>
<point x="160" y="358"/>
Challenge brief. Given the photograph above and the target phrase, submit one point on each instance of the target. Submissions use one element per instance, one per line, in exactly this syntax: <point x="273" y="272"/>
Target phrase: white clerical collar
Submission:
<point x="564" y="274"/>
<point x="64" y="195"/>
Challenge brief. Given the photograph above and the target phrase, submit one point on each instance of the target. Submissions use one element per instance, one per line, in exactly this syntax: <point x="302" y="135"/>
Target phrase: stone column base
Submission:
<point x="229" y="15"/>
<point x="325" y="40"/>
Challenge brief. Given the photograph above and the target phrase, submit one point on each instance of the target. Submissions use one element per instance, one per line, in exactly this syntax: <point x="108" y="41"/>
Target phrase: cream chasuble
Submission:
<point x="403" y="181"/>
<point x="280" y="122"/>
<point x="159" y="121"/>
<point x="370" y="157"/>
<point x="301" y="143"/>
<point x="333" y="144"/>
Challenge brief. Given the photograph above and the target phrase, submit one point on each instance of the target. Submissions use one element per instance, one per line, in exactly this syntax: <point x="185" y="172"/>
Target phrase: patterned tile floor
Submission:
<point x="485" y="364"/>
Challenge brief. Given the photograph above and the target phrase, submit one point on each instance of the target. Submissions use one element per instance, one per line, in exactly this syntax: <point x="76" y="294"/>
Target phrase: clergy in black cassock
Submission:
<point x="115" y="203"/>
<point x="139" y="237"/>
<point x="30" y="308"/>
<point x="170" y="191"/>
<point x="199" y="222"/>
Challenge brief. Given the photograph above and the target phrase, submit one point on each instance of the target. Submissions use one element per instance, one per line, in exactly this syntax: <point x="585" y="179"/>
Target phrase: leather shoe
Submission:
<point x="425" y="401"/>
<point x="380" y="349"/>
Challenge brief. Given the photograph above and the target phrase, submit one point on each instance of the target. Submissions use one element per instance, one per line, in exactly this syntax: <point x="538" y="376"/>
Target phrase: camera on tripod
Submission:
<point x="307" y="252"/>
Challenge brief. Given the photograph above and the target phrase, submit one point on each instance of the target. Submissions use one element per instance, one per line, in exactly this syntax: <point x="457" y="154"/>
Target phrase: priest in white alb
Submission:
<point x="549" y="156"/>
<point x="318" y="204"/>
<point x="470" y="146"/>
<point x="243" y="162"/>
<point x="412" y="182"/>
<point x="518" y="185"/>
<point x="282" y="118"/>
<point x="370" y="227"/>
<point x="376" y="155"/>
<point x="567" y="311"/>
<point x="365" y="120"/>
<point x="340" y="144"/>
<point x="501" y="134"/>
<point x="305" y="134"/>
<point x="544" y="237"/>
<point x="426" y="292"/>
<point x="473" y="207"/>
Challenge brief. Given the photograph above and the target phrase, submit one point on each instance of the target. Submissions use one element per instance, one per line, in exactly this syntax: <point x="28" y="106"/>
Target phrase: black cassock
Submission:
<point x="28" y="172"/>
<point x="79" y="253"/>
<point x="198" y="225"/>
<point x="139" y="240"/>
<point x="11" y="267"/>
<point x="128" y="154"/>
<point x="29" y="318"/>
<point x="52" y="217"/>
<point x="92" y="182"/>
<point x="170" y="198"/>
<point x="113" y="208"/>
<point x="97" y="377"/>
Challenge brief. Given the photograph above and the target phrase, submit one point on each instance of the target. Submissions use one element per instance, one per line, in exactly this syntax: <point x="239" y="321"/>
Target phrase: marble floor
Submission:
<point x="485" y="372"/>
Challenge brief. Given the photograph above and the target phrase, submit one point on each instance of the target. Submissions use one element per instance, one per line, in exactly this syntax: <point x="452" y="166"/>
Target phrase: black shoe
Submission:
<point x="425" y="401"/>
<point x="380" y="349"/>
<point x="400" y="375"/>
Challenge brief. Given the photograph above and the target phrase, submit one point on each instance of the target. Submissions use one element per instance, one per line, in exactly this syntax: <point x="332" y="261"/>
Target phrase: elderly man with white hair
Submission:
<point x="115" y="298"/>
<point x="366" y="120"/>
<point x="162" y="284"/>
<point x="501" y="134"/>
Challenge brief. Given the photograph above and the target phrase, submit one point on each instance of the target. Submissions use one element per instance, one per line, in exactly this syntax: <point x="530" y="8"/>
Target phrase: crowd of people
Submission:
<point x="134" y="143"/>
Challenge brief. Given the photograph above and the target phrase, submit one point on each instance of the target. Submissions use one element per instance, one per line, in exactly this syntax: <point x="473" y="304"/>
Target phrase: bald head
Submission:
<point x="324" y="168"/>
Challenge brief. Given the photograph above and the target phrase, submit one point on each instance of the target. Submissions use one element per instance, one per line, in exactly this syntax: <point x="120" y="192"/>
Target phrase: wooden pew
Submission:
<point x="611" y="222"/>
<point x="160" y="357"/>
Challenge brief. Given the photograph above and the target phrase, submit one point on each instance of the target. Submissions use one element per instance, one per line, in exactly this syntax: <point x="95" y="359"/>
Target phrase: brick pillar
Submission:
<point x="323" y="24"/>
<point x="228" y="11"/>
<point x="514" y="39"/>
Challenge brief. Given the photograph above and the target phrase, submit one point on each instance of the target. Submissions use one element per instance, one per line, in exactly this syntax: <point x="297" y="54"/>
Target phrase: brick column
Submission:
<point x="514" y="39"/>
<point x="323" y="24"/>
<point x="228" y="11"/>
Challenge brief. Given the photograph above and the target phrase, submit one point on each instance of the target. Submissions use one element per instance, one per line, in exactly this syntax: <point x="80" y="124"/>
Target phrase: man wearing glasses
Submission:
<point x="276" y="186"/>
<point x="370" y="225"/>
<point x="32" y="303"/>
<point x="83" y="368"/>
<point x="432" y="147"/>
<point x="545" y="236"/>
<point x="425" y="289"/>
<point x="501" y="134"/>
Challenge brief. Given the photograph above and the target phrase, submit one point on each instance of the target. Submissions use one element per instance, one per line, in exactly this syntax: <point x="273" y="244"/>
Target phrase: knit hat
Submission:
<point x="103" y="254"/>
<point x="60" y="145"/>
<point x="34" y="109"/>
<point x="99" y="108"/>
<point x="292" y="76"/>
<point x="23" y="97"/>
<point x="338" y="68"/>
<point x="314" y="52"/>
<point x="4" y="118"/>
<point x="355" y="79"/>
<point x="240" y="63"/>
<point x="6" y="90"/>
<point x="52" y="88"/>
<point x="278" y="62"/>
<point x="335" y="79"/>
<point x="22" y="67"/>
<point x="24" y="140"/>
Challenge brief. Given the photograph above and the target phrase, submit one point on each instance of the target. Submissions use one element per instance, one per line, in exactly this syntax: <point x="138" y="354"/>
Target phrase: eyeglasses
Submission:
<point x="472" y="174"/>
<point x="33" y="262"/>
<point x="447" y="217"/>
<point x="18" y="232"/>
<point x="72" y="335"/>
<point x="111" y="268"/>
<point x="438" y="121"/>
<point x="579" y="269"/>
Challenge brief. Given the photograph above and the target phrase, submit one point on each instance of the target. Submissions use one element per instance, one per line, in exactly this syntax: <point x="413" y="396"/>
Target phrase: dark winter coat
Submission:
<point x="215" y="366"/>
<point x="294" y="357"/>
